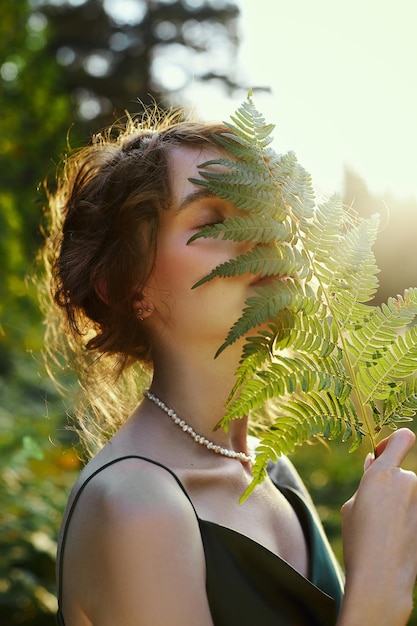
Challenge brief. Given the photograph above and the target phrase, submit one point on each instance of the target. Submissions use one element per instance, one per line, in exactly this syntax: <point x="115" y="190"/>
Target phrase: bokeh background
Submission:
<point x="337" y="77"/>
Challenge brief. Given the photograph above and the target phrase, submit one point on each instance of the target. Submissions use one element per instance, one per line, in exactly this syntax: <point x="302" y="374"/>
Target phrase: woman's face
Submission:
<point x="205" y="314"/>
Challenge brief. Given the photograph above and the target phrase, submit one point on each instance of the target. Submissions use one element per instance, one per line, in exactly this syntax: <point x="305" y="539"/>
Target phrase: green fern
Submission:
<point x="323" y="360"/>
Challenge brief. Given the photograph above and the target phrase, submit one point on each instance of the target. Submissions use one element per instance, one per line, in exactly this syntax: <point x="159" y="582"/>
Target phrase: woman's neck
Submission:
<point x="197" y="387"/>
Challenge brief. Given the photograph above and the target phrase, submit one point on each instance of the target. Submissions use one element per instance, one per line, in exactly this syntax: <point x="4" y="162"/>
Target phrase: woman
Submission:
<point x="153" y="533"/>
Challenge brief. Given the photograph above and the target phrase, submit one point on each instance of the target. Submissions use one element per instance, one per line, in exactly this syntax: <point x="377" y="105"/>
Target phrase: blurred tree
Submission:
<point x="116" y="51"/>
<point x="394" y="248"/>
<point x="35" y="114"/>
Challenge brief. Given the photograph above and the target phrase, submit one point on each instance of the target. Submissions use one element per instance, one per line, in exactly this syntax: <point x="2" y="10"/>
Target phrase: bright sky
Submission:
<point x="343" y="75"/>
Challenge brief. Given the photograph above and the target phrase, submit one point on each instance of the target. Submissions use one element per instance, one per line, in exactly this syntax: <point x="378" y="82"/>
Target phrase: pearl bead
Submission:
<point x="231" y="454"/>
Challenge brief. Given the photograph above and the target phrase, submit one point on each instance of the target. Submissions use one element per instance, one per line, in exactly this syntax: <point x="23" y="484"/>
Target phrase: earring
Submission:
<point x="142" y="314"/>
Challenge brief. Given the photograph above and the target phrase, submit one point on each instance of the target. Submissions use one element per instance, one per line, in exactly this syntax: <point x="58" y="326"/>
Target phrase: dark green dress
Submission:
<point x="246" y="583"/>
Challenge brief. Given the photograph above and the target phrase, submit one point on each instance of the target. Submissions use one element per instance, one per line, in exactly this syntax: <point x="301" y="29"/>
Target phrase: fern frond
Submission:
<point x="381" y="326"/>
<point x="270" y="301"/>
<point x="296" y="188"/>
<point x="401" y="404"/>
<point x="330" y="363"/>
<point x="258" y="349"/>
<point x="316" y="334"/>
<point x="348" y="272"/>
<point x="248" y="117"/>
<point x="250" y="125"/>
<point x="248" y="131"/>
<point x="238" y="148"/>
<point x="255" y="175"/>
<point x="248" y="368"/>
<point x="325" y="228"/>
<point x="398" y="361"/>
<point x="280" y="261"/>
<point x="248" y="228"/>
<point x="288" y="375"/>
<point x="243" y="197"/>
<point x="300" y="420"/>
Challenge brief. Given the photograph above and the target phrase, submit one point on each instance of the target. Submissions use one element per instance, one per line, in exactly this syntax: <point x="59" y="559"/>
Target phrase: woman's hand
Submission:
<point x="380" y="539"/>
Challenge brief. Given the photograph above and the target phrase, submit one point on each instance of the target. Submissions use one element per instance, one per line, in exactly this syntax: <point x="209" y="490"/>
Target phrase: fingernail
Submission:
<point x="368" y="460"/>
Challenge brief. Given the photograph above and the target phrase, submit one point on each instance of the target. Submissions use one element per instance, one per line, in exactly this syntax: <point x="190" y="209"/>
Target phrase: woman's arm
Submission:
<point x="380" y="539"/>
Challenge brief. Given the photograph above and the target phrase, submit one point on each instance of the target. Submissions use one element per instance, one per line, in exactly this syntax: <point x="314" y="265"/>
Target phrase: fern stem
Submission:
<point x="362" y="407"/>
<point x="351" y="369"/>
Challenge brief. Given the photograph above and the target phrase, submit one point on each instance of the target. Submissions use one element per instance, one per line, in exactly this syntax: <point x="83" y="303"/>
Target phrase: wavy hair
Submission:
<point x="99" y="252"/>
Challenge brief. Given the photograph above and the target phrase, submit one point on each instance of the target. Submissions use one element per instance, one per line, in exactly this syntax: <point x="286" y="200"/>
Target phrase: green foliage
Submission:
<point x="326" y="362"/>
<point x="36" y="471"/>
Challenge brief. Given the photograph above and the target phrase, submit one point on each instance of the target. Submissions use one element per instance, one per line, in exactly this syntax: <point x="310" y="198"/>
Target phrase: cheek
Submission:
<point x="175" y="268"/>
<point x="179" y="266"/>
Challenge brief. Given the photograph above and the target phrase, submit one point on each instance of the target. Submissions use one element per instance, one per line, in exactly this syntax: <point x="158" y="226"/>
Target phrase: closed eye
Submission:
<point x="212" y="223"/>
<point x="199" y="230"/>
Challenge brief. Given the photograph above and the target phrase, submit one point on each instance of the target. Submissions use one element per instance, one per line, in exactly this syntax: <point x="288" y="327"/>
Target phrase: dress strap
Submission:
<point x="77" y="497"/>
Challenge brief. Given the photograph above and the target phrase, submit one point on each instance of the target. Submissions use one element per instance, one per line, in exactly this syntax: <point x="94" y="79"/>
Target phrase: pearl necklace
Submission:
<point x="232" y="454"/>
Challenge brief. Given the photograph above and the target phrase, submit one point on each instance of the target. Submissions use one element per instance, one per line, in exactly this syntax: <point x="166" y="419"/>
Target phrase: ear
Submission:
<point x="142" y="307"/>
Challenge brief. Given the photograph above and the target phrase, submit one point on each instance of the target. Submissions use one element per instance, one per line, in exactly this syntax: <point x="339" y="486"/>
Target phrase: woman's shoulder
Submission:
<point x="130" y="515"/>
<point x="129" y="487"/>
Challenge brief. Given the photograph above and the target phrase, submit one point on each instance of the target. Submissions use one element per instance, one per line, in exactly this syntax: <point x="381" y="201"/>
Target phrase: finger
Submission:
<point x="381" y="446"/>
<point x="393" y="450"/>
<point x="368" y="461"/>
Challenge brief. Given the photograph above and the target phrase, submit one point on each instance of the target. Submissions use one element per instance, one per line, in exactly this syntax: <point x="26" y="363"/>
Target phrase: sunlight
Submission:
<point x="125" y="11"/>
<point x="342" y="86"/>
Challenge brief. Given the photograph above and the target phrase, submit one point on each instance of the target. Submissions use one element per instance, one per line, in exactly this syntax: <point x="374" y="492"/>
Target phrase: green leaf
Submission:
<point x="263" y="260"/>
<point x="318" y="358"/>
<point x="248" y="228"/>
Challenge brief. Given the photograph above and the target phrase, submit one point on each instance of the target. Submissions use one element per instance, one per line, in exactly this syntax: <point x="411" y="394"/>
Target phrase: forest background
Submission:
<point x="67" y="68"/>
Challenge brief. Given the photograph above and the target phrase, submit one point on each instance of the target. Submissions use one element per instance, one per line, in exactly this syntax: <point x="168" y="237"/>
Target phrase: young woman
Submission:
<point x="153" y="533"/>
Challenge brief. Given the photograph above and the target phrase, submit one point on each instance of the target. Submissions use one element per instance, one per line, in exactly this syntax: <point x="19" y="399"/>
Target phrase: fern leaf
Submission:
<point x="348" y="273"/>
<point x="270" y="301"/>
<point x="263" y="260"/>
<point x="381" y="326"/>
<point x="401" y="405"/>
<point x="316" y="334"/>
<point x="255" y="175"/>
<point x="318" y="342"/>
<point x="399" y="361"/>
<point x="301" y="421"/>
<point x="243" y="197"/>
<point x="325" y="228"/>
<point x="298" y="374"/>
<point x="297" y="192"/>
<point x="248" y="228"/>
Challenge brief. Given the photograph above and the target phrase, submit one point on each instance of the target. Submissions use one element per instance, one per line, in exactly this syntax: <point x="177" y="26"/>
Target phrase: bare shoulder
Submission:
<point x="131" y="528"/>
<point x="126" y="487"/>
<point x="132" y="493"/>
<point x="137" y="485"/>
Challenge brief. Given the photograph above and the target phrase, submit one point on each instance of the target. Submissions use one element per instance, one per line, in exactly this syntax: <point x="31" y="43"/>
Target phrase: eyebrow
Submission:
<point x="195" y="196"/>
